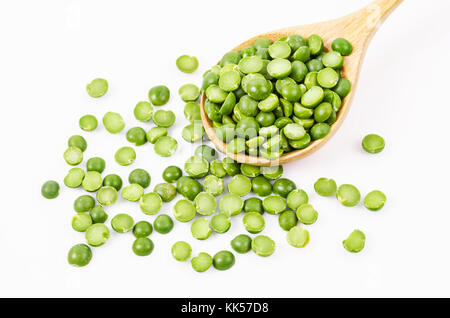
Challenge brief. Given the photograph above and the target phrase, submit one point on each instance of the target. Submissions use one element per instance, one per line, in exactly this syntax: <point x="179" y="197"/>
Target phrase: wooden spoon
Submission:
<point x="359" y="28"/>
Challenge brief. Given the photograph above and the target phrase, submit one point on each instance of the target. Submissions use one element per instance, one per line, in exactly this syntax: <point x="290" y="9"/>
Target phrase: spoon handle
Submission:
<point x="367" y="21"/>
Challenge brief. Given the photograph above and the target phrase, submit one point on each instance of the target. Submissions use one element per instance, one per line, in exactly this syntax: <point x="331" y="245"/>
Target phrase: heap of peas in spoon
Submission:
<point x="272" y="98"/>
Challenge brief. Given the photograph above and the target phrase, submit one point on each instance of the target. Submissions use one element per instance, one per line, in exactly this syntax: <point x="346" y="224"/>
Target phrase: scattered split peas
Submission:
<point x="266" y="100"/>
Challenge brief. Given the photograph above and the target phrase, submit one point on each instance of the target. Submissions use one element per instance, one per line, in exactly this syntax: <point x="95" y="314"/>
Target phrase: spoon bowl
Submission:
<point x="358" y="28"/>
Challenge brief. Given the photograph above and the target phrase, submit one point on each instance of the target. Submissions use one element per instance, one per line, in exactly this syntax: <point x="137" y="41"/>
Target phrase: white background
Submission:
<point x="50" y="50"/>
